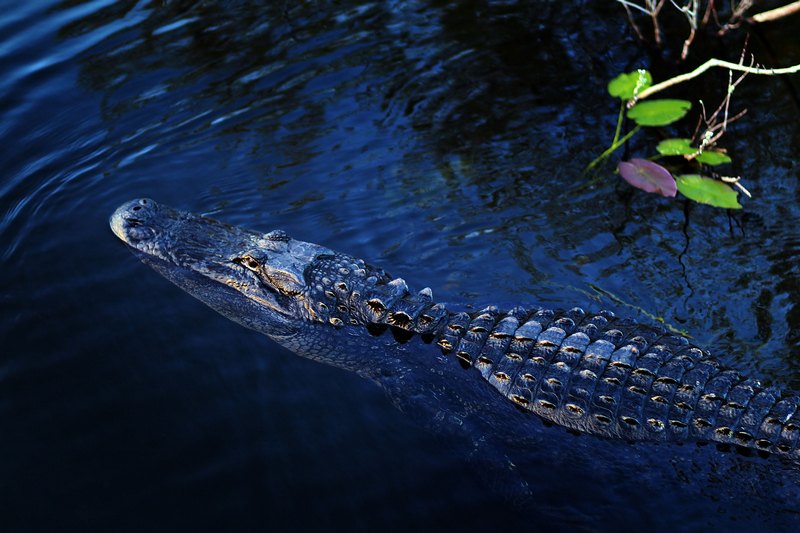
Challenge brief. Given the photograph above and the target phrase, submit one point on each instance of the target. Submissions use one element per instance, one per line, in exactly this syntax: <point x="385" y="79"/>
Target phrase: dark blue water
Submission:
<point x="443" y="141"/>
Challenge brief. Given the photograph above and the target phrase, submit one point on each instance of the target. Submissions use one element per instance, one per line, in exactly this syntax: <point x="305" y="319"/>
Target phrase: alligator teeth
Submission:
<point x="426" y="294"/>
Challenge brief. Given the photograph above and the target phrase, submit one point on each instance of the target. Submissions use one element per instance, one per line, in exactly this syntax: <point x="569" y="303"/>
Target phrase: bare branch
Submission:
<point x="740" y="8"/>
<point x="707" y="15"/>
<point x="655" y="10"/>
<point x="686" y="44"/>
<point x="723" y="127"/>
<point x="700" y="121"/>
<point x="775" y="14"/>
<point x="735" y="180"/>
<point x="710" y="64"/>
<point x="628" y="4"/>
<point x="632" y="22"/>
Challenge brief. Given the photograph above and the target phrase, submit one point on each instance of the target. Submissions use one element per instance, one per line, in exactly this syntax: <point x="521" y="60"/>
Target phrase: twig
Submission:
<point x="656" y="28"/>
<point x="687" y="43"/>
<point x="740" y="9"/>
<point x="735" y="180"/>
<point x="707" y="15"/>
<point x="710" y="64"/>
<point x="731" y="86"/>
<point x="735" y="21"/>
<point x="700" y="120"/>
<point x="691" y="11"/>
<point x="715" y="130"/>
<point x="651" y="8"/>
<point x="632" y="22"/>
<point x="775" y="14"/>
<point x="724" y="125"/>
<point x="634" y="6"/>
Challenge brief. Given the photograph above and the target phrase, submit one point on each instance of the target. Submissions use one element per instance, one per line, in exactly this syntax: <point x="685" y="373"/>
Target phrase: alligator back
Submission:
<point x="599" y="374"/>
<point x="592" y="373"/>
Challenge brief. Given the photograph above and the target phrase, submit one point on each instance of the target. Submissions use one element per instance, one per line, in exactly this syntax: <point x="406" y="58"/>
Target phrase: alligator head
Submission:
<point x="268" y="282"/>
<point x="256" y="279"/>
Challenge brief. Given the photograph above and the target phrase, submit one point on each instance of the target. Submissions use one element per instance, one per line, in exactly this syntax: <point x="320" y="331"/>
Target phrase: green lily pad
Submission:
<point x="628" y="85"/>
<point x="659" y="112"/>
<point x="676" y="147"/>
<point x="712" y="157"/>
<point x="707" y="191"/>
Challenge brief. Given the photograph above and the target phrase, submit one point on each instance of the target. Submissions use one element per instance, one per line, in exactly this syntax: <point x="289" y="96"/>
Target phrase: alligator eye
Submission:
<point x="248" y="261"/>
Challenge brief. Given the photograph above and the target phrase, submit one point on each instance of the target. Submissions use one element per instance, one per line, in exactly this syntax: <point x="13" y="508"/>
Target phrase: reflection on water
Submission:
<point x="443" y="140"/>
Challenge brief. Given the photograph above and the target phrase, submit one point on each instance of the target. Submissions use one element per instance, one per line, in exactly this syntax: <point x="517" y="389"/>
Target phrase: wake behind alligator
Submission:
<point x="590" y="373"/>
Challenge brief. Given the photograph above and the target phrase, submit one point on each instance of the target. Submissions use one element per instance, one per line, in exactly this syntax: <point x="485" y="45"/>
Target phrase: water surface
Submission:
<point x="443" y="141"/>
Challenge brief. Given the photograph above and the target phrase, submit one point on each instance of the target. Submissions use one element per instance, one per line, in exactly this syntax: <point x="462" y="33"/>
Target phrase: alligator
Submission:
<point x="592" y="373"/>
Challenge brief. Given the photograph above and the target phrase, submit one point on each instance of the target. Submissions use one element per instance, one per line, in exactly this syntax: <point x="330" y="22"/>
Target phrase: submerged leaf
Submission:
<point x="713" y="157"/>
<point x="676" y="147"/>
<point x="626" y="86"/>
<point x="708" y="191"/>
<point x="648" y="176"/>
<point x="659" y="112"/>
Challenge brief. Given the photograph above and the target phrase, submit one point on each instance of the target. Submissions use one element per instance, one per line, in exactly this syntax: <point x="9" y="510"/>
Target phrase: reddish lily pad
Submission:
<point x="648" y="176"/>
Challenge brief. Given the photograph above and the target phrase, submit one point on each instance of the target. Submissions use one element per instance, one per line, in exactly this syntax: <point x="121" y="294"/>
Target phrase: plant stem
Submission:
<point x="715" y="63"/>
<point x="619" y="122"/>
<point x="775" y="14"/>
<point x="616" y="144"/>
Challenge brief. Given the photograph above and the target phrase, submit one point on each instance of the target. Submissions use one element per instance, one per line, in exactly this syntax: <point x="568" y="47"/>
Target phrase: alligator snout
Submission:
<point x="130" y="221"/>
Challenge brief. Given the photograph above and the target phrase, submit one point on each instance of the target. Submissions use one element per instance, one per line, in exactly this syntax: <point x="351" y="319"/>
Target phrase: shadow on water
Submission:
<point x="445" y="141"/>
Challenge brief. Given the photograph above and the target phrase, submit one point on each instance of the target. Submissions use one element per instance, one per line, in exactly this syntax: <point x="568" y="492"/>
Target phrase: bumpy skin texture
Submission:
<point x="591" y="373"/>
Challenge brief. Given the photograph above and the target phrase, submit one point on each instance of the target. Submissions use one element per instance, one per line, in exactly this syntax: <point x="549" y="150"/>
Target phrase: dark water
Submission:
<point x="443" y="141"/>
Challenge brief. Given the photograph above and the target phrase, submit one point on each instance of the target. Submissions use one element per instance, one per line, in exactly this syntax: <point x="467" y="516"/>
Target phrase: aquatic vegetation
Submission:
<point x="700" y="152"/>
<point x="686" y="163"/>
<point x="648" y="176"/>
<point x="709" y="191"/>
